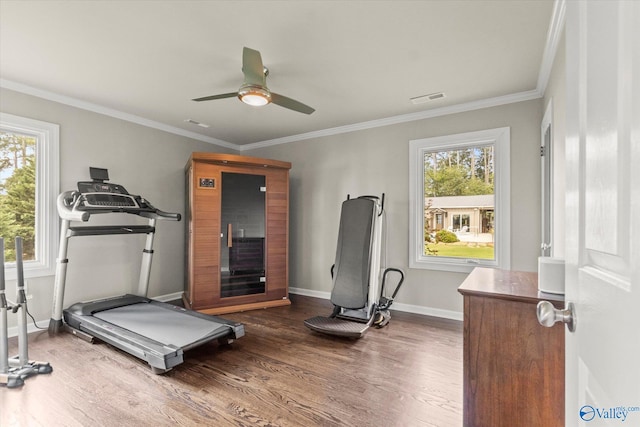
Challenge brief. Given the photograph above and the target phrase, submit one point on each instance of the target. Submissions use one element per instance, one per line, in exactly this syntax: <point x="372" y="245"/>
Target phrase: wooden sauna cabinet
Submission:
<point x="237" y="245"/>
<point x="513" y="366"/>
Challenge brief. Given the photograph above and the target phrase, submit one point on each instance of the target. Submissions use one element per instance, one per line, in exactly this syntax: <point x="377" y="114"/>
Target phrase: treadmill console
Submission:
<point x="99" y="197"/>
<point x="100" y="187"/>
<point x="104" y="194"/>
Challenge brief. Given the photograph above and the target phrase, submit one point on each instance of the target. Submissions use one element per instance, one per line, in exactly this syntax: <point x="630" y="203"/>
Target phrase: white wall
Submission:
<point x="146" y="161"/>
<point x="555" y="94"/>
<point x="376" y="161"/>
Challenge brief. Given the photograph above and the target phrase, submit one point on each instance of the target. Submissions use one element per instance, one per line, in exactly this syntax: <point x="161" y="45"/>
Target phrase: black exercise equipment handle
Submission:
<point x="388" y="301"/>
<point x="157" y="213"/>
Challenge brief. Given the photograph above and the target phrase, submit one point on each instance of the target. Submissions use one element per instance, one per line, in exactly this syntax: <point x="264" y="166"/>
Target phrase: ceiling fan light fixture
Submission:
<point x="254" y="95"/>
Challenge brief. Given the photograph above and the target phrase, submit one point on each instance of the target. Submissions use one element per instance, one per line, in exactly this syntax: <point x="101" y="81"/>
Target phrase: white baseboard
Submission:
<point x="416" y="309"/>
<point x="13" y="331"/>
<point x="428" y="311"/>
<point x="408" y="308"/>
<point x="310" y="293"/>
<point x="168" y="297"/>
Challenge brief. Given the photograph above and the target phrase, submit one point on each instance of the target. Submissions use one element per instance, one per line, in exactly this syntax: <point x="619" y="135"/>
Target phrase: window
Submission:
<point x="459" y="201"/>
<point x="29" y="185"/>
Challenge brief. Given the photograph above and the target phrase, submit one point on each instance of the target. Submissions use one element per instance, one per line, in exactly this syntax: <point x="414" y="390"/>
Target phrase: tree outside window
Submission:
<point x="29" y="186"/>
<point x="17" y="192"/>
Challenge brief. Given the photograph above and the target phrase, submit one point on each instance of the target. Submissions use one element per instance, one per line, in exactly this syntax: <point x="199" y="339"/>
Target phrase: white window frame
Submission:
<point x="501" y="140"/>
<point x="47" y="188"/>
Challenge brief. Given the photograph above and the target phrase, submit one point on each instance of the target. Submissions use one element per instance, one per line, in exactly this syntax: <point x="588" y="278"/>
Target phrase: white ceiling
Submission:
<point x="353" y="61"/>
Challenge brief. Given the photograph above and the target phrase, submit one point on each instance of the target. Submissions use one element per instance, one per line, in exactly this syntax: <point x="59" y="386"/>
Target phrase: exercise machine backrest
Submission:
<point x="352" y="270"/>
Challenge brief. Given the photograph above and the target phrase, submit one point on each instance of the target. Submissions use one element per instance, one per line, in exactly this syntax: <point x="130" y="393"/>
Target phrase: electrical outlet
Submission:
<point x="29" y="297"/>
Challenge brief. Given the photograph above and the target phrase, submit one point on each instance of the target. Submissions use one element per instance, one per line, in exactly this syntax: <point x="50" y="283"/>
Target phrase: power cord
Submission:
<point x="14" y="309"/>
<point x="26" y="309"/>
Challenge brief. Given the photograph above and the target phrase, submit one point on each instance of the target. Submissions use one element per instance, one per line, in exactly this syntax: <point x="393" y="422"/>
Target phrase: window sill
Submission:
<point x="32" y="269"/>
<point x="449" y="264"/>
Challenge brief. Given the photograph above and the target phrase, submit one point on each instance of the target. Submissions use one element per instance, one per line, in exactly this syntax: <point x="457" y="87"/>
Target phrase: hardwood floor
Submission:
<point x="280" y="374"/>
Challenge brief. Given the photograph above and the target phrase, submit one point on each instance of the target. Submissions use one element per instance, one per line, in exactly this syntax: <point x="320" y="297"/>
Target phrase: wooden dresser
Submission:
<point x="513" y="366"/>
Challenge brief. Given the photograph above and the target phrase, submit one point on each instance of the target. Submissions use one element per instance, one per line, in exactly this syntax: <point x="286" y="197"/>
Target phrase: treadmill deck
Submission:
<point x="168" y="327"/>
<point x="153" y="331"/>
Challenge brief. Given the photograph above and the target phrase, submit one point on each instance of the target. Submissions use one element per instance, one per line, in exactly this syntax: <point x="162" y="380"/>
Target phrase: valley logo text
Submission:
<point x="620" y="413"/>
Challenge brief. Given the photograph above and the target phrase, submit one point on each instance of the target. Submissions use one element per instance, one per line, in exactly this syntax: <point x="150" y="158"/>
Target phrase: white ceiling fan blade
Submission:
<point x="221" y="96"/>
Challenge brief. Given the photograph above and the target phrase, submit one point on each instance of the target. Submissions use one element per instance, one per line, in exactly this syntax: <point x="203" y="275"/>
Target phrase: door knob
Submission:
<point x="548" y="315"/>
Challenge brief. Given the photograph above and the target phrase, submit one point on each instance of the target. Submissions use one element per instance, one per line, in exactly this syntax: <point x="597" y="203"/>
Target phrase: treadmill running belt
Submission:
<point x="161" y="325"/>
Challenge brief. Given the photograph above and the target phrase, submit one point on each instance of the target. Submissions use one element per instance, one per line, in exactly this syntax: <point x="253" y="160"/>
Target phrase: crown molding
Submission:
<point x="556" y="27"/>
<point x="84" y="105"/>
<point x="404" y="118"/>
<point x="371" y="124"/>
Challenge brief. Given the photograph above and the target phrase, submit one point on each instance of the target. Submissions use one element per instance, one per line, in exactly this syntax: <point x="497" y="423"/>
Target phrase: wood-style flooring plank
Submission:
<point x="280" y="374"/>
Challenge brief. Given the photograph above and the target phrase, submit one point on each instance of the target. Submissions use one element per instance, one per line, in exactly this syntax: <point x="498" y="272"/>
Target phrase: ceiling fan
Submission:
<point x="254" y="90"/>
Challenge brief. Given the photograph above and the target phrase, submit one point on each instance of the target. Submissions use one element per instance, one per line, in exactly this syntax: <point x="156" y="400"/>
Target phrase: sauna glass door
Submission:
<point x="242" y="255"/>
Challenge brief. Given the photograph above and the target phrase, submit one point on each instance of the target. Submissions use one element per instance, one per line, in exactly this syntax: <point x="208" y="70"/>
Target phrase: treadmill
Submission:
<point x="156" y="332"/>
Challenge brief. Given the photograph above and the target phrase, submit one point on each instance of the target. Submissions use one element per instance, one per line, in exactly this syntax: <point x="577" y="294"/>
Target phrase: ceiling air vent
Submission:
<point x="427" y="98"/>
<point x="193" y="122"/>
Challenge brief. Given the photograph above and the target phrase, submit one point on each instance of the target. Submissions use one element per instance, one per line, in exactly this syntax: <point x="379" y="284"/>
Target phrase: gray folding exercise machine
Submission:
<point x="13" y="371"/>
<point x="153" y="331"/>
<point x="358" y="279"/>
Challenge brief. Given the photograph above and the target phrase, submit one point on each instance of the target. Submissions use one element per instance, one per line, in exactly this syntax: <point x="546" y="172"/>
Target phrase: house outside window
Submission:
<point x="29" y="185"/>
<point x="472" y="214"/>
<point x="459" y="194"/>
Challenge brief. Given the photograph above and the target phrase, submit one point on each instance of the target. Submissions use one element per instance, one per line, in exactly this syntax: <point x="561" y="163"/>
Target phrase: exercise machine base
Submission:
<point x="337" y="326"/>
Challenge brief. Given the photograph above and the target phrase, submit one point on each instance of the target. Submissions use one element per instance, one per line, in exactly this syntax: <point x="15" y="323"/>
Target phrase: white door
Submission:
<point x="603" y="212"/>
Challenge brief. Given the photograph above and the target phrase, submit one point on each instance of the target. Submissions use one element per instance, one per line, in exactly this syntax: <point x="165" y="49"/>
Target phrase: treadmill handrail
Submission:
<point x="67" y="212"/>
<point x="71" y="208"/>
<point x="159" y="214"/>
